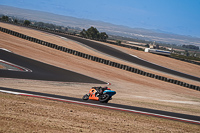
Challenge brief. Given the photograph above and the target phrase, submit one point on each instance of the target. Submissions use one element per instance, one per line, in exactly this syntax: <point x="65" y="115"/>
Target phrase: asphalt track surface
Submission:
<point x="145" y="111"/>
<point x="121" y="55"/>
<point x="41" y="71"/>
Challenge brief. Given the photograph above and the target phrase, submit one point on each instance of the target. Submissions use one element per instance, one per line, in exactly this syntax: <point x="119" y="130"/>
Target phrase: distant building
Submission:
<point x="158" y="51"/>
<point x="157" y="46"/>
<point x="151" y="46"/>
<point x="154" y="45"/>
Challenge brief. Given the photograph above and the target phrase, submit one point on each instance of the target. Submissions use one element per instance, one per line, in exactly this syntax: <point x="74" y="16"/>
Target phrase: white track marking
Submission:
<point x="5" y="50"/>
<point x="16" y="66"/>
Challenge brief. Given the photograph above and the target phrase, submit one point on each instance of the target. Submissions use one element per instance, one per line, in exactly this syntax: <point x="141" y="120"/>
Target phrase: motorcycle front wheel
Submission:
<point x="85" y="97"/>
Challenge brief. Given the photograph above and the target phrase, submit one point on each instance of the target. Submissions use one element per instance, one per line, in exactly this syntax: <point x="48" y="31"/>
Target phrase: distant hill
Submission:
<point x="137" y="33"/>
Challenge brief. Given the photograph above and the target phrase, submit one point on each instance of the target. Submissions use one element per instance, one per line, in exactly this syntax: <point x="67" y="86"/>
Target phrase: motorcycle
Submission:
<point x="100" y="94"/>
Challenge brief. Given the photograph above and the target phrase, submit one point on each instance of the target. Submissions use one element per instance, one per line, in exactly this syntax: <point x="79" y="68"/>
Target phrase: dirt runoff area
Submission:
<point x="2" y="67"/>
<point x="26" y="114"/>
<point x="132" y="89"/>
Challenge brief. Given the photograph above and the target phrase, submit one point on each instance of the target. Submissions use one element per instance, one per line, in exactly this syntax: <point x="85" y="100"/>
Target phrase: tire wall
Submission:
<point x="99" y="60"/>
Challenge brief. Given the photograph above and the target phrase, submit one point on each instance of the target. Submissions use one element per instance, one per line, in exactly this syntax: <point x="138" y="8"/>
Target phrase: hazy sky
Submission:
<point x="175" y="16"/>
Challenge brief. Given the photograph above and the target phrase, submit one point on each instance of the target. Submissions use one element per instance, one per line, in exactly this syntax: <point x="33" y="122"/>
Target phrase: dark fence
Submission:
<point x="100" y="60"/>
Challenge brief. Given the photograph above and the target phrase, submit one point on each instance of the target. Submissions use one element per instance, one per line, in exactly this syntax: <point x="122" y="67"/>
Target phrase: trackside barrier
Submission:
<point x="100" y="60"/>
<point x="114" y="43"/>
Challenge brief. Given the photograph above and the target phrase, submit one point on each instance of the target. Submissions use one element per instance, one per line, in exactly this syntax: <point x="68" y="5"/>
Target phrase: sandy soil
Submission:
<point x="2" y="67"/>
<point x="26" y="114"/>
<point x="132" y="89"/>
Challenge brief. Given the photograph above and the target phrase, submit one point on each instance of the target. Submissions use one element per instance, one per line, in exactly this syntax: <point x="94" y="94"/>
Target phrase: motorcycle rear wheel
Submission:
<point x="104" y="98"/>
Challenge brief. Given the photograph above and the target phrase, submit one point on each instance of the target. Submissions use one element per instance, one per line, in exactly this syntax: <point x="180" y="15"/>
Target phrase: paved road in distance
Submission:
<point x="41" y="71"/>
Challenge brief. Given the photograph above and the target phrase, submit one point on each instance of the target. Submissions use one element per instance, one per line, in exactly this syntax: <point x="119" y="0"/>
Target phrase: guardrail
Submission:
<point x="99" y="60"/>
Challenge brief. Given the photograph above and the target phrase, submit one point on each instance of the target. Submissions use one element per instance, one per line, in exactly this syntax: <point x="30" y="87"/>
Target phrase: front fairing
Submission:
<point x="109" y="92"/>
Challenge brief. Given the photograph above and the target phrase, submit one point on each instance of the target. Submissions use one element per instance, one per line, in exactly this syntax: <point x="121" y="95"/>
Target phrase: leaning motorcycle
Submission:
<point x="94" y="94"/>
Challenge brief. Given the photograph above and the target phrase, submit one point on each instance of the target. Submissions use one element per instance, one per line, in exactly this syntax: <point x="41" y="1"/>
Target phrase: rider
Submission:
<point x="101" y="90"/>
